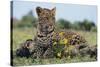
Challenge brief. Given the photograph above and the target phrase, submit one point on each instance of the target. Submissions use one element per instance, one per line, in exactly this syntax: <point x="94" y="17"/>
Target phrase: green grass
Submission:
<point x="29" y="61"/>
<point x="20" y="35"/>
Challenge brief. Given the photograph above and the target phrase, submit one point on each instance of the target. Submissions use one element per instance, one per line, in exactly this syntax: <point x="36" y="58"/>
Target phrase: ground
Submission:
<point x="20" y="35"/>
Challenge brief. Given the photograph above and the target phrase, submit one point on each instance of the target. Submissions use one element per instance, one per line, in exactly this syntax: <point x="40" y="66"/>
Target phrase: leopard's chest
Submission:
<point x="44" y="40"/>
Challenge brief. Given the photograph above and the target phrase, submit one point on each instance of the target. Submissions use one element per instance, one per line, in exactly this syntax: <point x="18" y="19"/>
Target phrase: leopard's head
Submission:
<point x="46" y="19"/>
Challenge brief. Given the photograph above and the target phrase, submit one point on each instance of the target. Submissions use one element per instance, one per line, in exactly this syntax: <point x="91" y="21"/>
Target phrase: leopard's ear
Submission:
<point x="38" y="10"/>
<point x="53" y="11"/>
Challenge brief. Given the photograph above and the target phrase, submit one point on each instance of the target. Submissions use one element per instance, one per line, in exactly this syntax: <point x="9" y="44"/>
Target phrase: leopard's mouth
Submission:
<point x="47" y="30"/>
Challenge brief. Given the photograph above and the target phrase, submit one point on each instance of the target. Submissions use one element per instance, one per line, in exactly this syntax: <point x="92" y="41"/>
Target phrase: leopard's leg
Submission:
<point x="38" y="52"/>
<point x="49" y="53"/>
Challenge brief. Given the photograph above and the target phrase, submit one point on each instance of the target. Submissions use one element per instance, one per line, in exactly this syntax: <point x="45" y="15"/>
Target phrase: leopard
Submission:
<point x="45" y="30"/>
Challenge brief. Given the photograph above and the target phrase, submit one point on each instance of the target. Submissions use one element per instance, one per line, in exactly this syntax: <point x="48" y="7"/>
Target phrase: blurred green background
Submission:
<point x="29" y="21"/>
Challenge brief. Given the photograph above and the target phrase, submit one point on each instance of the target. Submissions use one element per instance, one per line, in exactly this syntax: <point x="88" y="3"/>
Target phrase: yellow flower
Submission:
<point x="68" y="57"/>
<point x="64" y="41"/>
<point x="54" y="43"/>
<point x="61" y="42"/>
<point x="66" y="51"/>
<point x="61" y="33"/>
<point x="59" y="54"/>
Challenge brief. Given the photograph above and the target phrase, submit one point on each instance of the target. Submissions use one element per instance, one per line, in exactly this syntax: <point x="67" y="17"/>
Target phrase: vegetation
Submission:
<point x="20" y="35"/>
<point x="30" y="21"/>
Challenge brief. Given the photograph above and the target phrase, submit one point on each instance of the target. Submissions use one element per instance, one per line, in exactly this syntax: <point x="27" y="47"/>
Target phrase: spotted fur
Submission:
<point x="45" y="29"/>
<point x="46" y="34"/>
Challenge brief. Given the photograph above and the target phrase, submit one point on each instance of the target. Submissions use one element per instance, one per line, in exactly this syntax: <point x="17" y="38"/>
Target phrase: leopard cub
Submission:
<point x="45" y="29"/>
